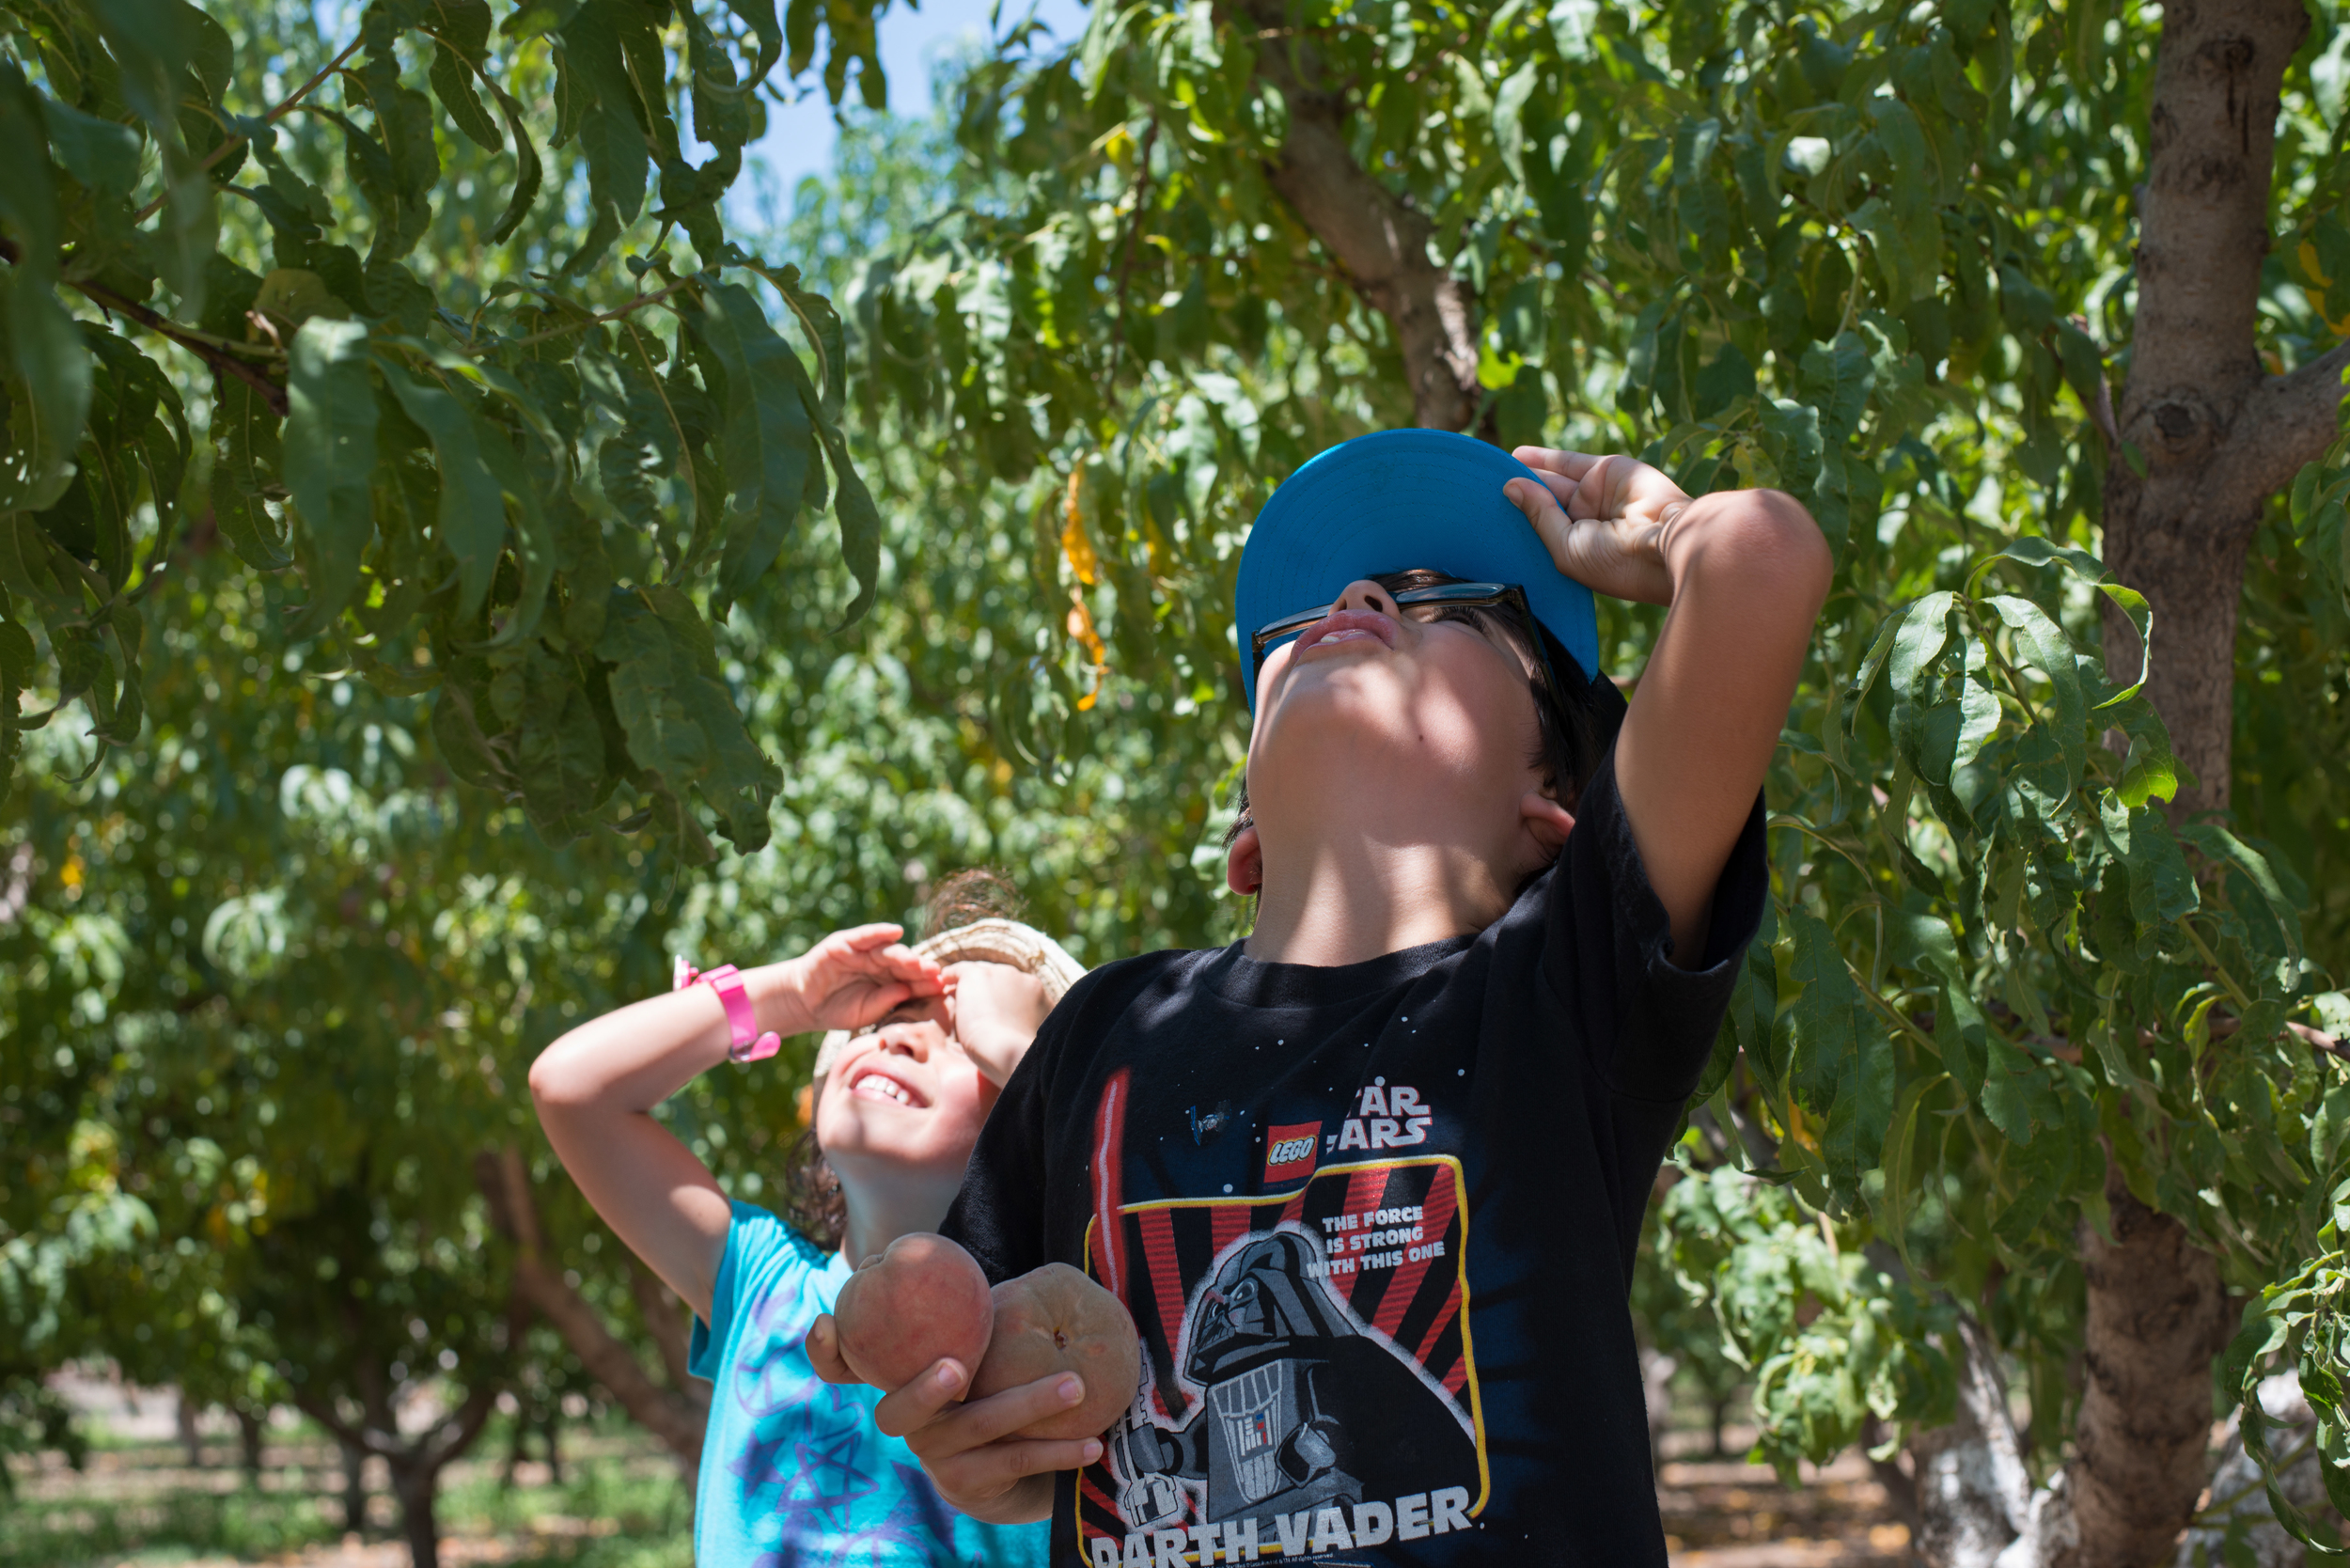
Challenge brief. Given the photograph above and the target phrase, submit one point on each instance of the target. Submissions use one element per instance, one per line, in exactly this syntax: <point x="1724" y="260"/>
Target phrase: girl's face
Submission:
<point x="905" y="1103"/>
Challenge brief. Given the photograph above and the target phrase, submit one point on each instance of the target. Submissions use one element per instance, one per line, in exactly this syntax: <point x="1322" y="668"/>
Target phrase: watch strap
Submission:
<point x="749" y="1042"/>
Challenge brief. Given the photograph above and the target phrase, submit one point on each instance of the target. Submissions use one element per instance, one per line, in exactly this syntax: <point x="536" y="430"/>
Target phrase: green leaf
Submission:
<point x="246" y="465"/>
<point x="103" y="154"/>
<point x="2046" y="645"/>
<point x="1899" y="1163"/>
<point x="611" y="127"/>
<point x="452" y="84"/>
<point x="2283" y="924"/>
<point x="329" y="463"/>
<point x="523" y="484"/>
<point x="1837" y="379"/>
<point x="673" y="706"/>
<point x="1842" y="1063"/>
<point x="154" y="41"/>
<point x="471" y="519"/>
<point x="1510" y="115"/>
<point x="45" y="353"/>
<point x="2014" y="1086"/>
<point x="768" y="432"/>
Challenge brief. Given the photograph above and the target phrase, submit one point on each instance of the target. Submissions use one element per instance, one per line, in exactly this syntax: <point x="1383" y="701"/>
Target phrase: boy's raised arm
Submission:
<point x="1744" y="574"/>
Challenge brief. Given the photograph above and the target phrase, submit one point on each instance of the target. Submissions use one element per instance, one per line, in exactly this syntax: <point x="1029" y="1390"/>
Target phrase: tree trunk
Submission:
<point x="2216" y="436"/>
<point x="2206" y="438"/>
<point x="191" y="1440"/>
<point x="517" y="1450"/>
<point x="251" y="1431"/>
<point x="2157" y="1315"/>
<point x="414" y="1483"/>
<point x="415" y="1464"/>
<point x="354" y="1488"/>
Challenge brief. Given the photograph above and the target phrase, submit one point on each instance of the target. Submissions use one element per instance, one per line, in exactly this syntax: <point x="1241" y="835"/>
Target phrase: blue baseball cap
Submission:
<point x="1394" y="501"/>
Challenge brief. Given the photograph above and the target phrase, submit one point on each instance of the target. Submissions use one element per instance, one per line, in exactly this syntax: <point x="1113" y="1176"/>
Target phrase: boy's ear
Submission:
<point x="1243" y="863"/>
<point x="1546" y="819"/>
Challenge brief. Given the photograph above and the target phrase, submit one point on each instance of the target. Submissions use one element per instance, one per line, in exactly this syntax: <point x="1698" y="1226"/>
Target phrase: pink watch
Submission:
<point x="726" y="980"/>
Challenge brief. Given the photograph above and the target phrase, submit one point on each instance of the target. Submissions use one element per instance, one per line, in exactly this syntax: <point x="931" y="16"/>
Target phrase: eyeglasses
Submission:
<point x="1442" y="597"/>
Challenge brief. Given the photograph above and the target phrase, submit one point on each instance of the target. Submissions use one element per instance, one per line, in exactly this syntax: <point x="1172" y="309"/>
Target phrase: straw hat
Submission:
<point x="989" y="941"/>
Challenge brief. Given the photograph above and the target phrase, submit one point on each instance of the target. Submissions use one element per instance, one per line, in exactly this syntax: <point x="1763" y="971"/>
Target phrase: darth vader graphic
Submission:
<point x="1301" y="1404"/>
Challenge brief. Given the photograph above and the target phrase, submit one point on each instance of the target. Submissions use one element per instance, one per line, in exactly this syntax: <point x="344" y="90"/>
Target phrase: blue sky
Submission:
<point x="799" y="138"/>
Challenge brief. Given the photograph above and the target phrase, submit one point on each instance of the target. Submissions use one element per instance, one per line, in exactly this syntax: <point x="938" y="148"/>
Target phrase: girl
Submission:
<point x="921" y="1041"/>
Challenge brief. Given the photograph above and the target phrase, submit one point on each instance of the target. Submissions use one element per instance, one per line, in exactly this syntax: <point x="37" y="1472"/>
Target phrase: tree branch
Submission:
<point x="324" y="1413"/>
<point x="1380" y="241"/>
<point x="667" y="1415"/>
<point x="454" y="1432"/>
<point x="214" y="351"/>
<point x="2287" y="421"/>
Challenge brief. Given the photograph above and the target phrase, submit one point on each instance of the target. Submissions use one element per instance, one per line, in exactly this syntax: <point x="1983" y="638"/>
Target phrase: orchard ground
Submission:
<point x="619" y="1504"/>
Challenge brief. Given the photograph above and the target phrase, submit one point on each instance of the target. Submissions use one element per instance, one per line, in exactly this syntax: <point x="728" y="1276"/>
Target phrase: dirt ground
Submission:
<point x="138" y="1504"/>
<point x="1727" y="1513"/>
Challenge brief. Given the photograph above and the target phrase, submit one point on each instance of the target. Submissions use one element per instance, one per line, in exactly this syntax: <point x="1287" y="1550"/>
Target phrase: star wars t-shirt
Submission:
<point x="1375" y="1225"/>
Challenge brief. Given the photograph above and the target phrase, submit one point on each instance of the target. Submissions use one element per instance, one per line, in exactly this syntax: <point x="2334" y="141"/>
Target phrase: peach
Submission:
<point x="905" y="1307"/>
<point x="1055" y="1320"/>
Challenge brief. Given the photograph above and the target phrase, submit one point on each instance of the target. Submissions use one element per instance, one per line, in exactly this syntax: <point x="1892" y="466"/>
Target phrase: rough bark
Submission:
<point x="2216" y="434"/>
<point x="2157" y="1316"/>
<point x="1377" y="238"/>
<point x="671" y="1414"/>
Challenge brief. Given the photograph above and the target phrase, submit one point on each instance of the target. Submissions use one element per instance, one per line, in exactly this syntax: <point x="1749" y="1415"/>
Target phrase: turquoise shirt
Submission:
<point x="793" y="1470"/>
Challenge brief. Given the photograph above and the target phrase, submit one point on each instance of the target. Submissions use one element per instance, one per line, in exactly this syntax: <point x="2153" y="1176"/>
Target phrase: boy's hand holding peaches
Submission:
<point x="1047" y="1361"/>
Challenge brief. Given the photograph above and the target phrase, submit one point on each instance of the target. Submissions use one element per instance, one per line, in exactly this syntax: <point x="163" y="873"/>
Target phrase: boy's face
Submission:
<point x="905" y="1102"/>
<point x="1397" y="716"/>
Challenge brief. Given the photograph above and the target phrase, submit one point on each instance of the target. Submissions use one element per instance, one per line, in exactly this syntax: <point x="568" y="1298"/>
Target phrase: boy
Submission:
<point x="1370" y="1182"/>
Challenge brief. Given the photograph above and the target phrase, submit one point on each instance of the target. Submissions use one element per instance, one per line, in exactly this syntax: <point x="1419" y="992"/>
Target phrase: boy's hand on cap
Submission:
<point x="1602" y="518"/>
<point x="996" y="1011"/>
<point x="969" y="1449"/>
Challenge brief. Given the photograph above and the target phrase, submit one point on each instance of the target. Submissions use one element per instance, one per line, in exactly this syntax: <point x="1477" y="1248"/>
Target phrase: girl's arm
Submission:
<point x="1743" y="574"/>
<point x="595" y="1088"/>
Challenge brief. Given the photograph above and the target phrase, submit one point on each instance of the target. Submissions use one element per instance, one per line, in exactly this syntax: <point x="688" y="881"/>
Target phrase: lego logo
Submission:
<point x="1288" y="1152"/>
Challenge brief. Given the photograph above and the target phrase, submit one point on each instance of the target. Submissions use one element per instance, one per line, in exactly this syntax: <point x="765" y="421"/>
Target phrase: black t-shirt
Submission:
<point x="1375" y="1224"/>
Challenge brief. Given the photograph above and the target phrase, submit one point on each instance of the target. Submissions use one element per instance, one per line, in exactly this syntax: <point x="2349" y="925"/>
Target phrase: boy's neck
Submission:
<point x="1340" y="898"/>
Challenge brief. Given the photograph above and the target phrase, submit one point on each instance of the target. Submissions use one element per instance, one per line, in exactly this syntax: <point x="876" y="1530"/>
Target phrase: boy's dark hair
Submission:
<point x="1567" y="745"/>
<point x="812" y="1199"/>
